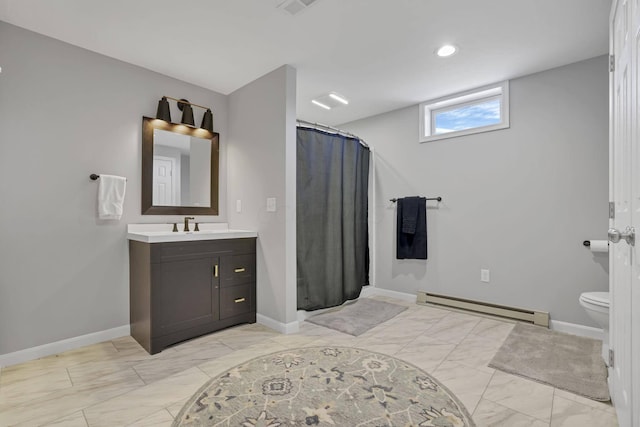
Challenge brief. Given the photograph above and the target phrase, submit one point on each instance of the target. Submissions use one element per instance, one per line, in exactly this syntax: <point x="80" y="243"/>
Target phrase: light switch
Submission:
<point x="238" y="205"/>
<point x="484" y="275"/>
<point x="271" y="204"/>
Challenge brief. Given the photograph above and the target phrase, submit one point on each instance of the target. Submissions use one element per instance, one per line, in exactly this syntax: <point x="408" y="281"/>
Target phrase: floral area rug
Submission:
<point x="324" y="386"/>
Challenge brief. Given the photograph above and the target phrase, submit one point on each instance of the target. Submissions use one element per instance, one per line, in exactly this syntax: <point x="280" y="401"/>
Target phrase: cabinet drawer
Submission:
<point x="175" y="251"/>
<point x="236" y="300"/>
<point x="237" y="269"/>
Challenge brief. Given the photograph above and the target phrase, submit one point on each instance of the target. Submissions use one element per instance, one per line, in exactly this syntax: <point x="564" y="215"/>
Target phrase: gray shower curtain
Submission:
<point x="332" y="228"/>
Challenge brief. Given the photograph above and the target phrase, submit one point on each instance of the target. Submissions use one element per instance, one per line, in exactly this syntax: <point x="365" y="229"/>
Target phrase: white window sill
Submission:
<point x="464" y="132"/>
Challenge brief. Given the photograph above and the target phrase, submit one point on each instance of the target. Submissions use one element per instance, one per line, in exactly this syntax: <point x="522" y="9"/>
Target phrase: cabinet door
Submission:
<point x="184" y="294"/>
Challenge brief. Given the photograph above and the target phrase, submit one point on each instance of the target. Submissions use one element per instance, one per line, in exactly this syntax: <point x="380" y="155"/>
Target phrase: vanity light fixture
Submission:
<point x="446" y="50"/>
<point x="186" y="107"/>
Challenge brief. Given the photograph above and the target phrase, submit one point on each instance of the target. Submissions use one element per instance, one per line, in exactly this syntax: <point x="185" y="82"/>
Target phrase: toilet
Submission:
<point x="596" y="304"/>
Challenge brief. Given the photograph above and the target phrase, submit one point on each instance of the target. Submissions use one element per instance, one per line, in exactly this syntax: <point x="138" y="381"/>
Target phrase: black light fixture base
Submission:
<point x="183" y="103"/>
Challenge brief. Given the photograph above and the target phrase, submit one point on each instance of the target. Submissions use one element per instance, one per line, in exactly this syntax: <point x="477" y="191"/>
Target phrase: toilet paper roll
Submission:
<point x="598" y="246"/>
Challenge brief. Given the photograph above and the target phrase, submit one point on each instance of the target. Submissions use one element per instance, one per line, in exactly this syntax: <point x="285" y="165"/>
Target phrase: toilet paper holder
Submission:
<point x="587" y="244"/>
<point x="596" y="246"/>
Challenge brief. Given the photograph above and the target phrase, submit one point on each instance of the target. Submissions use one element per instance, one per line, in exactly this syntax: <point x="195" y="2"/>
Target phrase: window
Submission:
<point x="474" y="111"/>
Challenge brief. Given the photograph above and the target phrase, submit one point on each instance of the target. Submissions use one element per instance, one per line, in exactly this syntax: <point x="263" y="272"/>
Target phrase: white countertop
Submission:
<point x="159" y="233"/>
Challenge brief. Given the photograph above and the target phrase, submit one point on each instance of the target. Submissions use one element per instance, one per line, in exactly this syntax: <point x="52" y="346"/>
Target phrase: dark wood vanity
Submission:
<point x="181" y="290"/>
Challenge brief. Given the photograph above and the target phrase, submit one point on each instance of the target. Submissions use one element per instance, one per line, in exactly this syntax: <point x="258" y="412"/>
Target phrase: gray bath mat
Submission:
<point x="560" y="360"/>
<point x="358" y="317"/>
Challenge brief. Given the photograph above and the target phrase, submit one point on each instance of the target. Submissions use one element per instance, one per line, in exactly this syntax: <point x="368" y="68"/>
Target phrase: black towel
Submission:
<point x="410" y="207"/>
<point x="412" y="246"/>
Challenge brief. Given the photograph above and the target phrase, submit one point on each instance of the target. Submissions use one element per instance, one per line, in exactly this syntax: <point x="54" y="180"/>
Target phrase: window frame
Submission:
<point x="462" y="99"/>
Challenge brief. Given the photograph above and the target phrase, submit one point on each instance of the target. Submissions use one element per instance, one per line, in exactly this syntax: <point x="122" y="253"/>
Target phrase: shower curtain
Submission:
<point x="332" y="228"/>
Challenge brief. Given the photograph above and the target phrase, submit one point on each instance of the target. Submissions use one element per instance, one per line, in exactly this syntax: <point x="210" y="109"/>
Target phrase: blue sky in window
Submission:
<point x="468" y="117"/>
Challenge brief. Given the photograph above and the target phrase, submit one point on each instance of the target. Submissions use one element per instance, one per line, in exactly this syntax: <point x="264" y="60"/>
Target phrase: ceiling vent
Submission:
<point x="293" y="7"/>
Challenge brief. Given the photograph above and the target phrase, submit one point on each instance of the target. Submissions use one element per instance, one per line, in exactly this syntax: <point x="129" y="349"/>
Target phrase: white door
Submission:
<point x="624" y="272"/>
<point x="162" y="181"/>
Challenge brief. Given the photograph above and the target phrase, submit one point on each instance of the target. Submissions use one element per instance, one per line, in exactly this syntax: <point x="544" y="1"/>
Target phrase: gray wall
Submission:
<point x="518" y="201"/>
<point x="65" y="113"/>
<point x="261" y="140"/>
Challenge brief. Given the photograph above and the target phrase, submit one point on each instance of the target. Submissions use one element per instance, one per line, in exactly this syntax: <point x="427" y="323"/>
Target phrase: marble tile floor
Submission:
<point x="116" y="383"/>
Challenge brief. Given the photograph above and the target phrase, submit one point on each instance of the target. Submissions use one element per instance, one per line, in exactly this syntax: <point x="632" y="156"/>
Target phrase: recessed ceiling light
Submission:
<point x="339" y="98"/>
<point x="330" y="101"/>
<point x="320" y="104"/>
<point x="446" y="50"/>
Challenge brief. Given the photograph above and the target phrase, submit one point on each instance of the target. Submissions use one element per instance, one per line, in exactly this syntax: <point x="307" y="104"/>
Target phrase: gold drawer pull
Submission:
<point x="239" y="270"/>
<point x="215" y="270"/>
<point x="238" y="300"/>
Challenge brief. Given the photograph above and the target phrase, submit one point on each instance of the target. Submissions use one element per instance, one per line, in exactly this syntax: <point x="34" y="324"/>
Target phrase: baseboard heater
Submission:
<point x="540" y="318"/>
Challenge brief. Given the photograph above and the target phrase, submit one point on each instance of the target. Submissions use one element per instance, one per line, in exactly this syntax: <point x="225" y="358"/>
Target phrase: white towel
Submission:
<point x="111" y="196"/>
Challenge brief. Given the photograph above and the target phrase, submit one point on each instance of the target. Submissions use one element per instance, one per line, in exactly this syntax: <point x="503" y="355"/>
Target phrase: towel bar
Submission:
<point x="94" y="177"/>
<point x="428" y="198"/>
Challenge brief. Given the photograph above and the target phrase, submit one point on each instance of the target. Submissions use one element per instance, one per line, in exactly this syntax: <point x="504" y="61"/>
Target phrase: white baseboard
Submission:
<point x="575" y="329"/>
<point x="367" y="291"/>
<point x="283" y="328"/>
<point x="32" y="353"/>
<point x="44" y="350"/>
<point x="303" y="315"/>
<point x="372" y="291"/>
<point x="556" y="325"/>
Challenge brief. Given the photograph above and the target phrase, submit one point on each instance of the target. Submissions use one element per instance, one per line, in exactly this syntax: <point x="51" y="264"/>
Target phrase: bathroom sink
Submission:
<point x="158" y="233"/>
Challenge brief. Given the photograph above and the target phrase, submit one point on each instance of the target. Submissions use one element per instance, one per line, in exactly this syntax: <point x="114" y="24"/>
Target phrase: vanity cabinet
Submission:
<point x="180" y="290"/>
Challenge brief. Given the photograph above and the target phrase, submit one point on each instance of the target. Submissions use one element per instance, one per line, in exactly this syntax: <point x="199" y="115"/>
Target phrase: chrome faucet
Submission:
<point x="186" y="222"/>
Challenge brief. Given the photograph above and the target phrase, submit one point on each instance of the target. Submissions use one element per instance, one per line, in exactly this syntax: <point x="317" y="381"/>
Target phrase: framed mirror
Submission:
<point x="179" y="169"/>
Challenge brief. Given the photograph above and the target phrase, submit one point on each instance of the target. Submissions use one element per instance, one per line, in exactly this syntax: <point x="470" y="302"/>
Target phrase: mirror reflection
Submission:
<point x="181" y="170"/>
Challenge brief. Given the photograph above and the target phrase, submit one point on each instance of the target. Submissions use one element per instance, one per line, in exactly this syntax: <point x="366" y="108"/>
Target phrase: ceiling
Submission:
<point x="377" y="53"/>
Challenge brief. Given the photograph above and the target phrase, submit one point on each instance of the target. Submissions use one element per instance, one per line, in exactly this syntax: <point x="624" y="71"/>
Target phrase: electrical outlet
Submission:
<point x="484" y="276"/>
<point x="238" y="205"/>
<point x="271" y="204"/>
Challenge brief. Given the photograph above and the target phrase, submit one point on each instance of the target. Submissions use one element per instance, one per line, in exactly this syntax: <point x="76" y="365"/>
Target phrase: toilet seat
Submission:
<point x="600" y="299"/>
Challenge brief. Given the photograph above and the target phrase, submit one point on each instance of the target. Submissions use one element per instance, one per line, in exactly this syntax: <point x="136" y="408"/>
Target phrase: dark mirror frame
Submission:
<point x="148" y="125"/>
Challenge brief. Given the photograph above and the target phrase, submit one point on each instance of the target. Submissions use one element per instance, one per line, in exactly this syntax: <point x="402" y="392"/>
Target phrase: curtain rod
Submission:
<point x="331" y="128"/>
